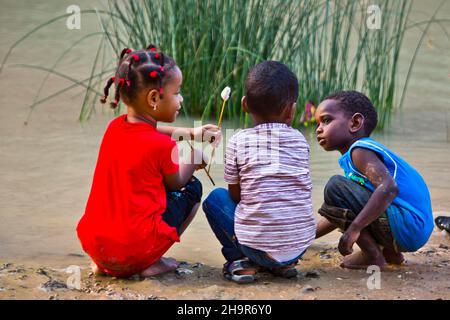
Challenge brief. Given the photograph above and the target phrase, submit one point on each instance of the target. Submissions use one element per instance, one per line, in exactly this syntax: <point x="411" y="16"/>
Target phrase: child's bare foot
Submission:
<point x="163" y="265"/>
<point x="393" y="257"/>
<point x="96" y="270"/>
<point x="359" y="260"/>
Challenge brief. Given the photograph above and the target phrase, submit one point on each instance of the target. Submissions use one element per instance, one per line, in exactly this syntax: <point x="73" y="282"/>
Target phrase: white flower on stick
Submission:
<point x="225" y="94"/>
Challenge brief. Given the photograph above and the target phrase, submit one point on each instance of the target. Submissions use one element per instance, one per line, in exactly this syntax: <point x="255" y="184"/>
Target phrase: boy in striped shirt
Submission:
<point x="265" y="218"/>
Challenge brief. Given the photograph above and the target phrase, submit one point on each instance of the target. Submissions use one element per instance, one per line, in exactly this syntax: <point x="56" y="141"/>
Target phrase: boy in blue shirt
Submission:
<point x="382" y="201"/>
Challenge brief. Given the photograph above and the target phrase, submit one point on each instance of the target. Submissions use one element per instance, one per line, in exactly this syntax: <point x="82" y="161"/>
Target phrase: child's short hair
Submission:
<point x="352" y="102"/>
<point x="270" y="87"/>
<point x="137" y="70"/>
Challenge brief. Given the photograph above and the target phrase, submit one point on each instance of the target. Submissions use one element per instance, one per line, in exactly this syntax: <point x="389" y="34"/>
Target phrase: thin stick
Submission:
<point x="221" y="113"/>
<point x="218" y="125"/>
<point x="207" y="173"/>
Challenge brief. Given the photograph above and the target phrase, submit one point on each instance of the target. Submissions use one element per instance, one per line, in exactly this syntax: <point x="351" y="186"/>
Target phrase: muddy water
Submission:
<point x="46" y="167"/>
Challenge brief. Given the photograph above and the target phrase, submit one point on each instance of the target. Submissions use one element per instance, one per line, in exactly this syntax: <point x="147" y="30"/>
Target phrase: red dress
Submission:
<point x="122" y="229"/>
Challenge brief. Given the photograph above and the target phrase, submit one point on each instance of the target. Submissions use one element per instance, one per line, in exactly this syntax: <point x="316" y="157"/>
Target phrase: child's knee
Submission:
<point x="195" y="187"/>
<point x="213" y="199"/>
<point x="333" y="187"/>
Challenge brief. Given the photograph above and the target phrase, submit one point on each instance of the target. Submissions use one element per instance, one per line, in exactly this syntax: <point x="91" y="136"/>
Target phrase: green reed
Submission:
<point x="216" y="42"/>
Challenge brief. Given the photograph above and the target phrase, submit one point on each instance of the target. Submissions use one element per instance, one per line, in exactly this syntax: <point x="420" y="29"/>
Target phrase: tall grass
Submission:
<point x="215" y="42"/>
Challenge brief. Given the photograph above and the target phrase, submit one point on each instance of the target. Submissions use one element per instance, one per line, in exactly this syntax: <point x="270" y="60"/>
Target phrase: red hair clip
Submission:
<point x="121" y="81"/>
<point x="153" y="49"/>
<point x="153" y="74"/>
<point x="157" y="55"/>
<point x="113" y="78"/>
<point x="128" y="51"/>
<point x="135" y="57"/>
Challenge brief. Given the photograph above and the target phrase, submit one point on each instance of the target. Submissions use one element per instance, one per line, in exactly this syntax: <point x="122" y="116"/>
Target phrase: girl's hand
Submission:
<point x="208" y="132"/>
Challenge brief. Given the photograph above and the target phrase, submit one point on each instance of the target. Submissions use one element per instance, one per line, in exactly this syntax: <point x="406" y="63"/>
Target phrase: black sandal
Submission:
<point x="287" y="273"/>
<point x="230" y="269"/>
<point x="443" y="223"/>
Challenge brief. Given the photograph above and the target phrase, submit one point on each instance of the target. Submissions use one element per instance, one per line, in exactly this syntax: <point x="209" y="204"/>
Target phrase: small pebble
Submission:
<point x="197" y="265"/>
<point x="307" y="289"/>
<point x="42" y="271"/>
<point x="5" y="266"/>
<point x="51" y="285"/>
<point x="182" y="271"/>
<point x="183" y="264"/>
<point x="312" y="274"/>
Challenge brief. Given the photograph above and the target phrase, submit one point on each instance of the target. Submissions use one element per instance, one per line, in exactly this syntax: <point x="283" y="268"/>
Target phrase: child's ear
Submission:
<point x="244" y="104"/>
<point x="153" y="98"/>
<point x="357" y="122"/>
<point x="294" y="106"/>
<point x="291" y="113"/>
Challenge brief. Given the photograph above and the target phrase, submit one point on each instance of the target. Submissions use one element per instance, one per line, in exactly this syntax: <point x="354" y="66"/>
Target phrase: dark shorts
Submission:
<point x="344" y="200"/>
<point x="180" y="203"/>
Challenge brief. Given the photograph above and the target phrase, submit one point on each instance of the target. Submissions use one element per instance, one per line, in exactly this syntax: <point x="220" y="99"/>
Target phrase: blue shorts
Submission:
<point x="220" y="212"/>
<point x="181" y="202"/>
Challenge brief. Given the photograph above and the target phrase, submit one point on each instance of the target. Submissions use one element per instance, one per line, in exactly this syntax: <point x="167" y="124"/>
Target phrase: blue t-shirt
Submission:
<point x="410" y="215"/>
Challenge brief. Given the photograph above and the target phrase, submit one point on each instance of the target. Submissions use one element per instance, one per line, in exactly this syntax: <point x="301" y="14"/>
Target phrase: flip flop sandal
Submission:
<point x="230" y="270"/>
<point x="443" y="223"/>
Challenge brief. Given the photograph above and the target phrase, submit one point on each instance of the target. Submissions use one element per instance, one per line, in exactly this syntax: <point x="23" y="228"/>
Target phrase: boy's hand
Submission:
<point x="347" y="240"/>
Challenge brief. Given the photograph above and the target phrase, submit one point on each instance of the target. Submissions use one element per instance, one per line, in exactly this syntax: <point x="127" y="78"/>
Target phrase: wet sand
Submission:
<point x="424" y="276"/>
<point x="47" y="167"/>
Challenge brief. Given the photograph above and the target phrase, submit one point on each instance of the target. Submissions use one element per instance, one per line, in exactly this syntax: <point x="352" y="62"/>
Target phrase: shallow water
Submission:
<point x="46" y="167"/>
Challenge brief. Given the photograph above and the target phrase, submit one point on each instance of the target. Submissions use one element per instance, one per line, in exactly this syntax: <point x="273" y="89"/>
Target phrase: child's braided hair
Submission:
<point x="137" y="70"/>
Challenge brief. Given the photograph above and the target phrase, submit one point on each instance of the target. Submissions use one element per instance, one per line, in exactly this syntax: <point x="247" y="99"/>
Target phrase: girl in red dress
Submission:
<point x="141" y="198"/>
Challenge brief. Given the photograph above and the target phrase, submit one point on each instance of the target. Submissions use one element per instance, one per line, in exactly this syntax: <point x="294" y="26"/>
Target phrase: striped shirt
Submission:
<point x="270" y="162"/>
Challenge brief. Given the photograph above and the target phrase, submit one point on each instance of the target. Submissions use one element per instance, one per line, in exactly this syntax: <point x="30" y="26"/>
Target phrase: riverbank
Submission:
<point x="424" y="276"/>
